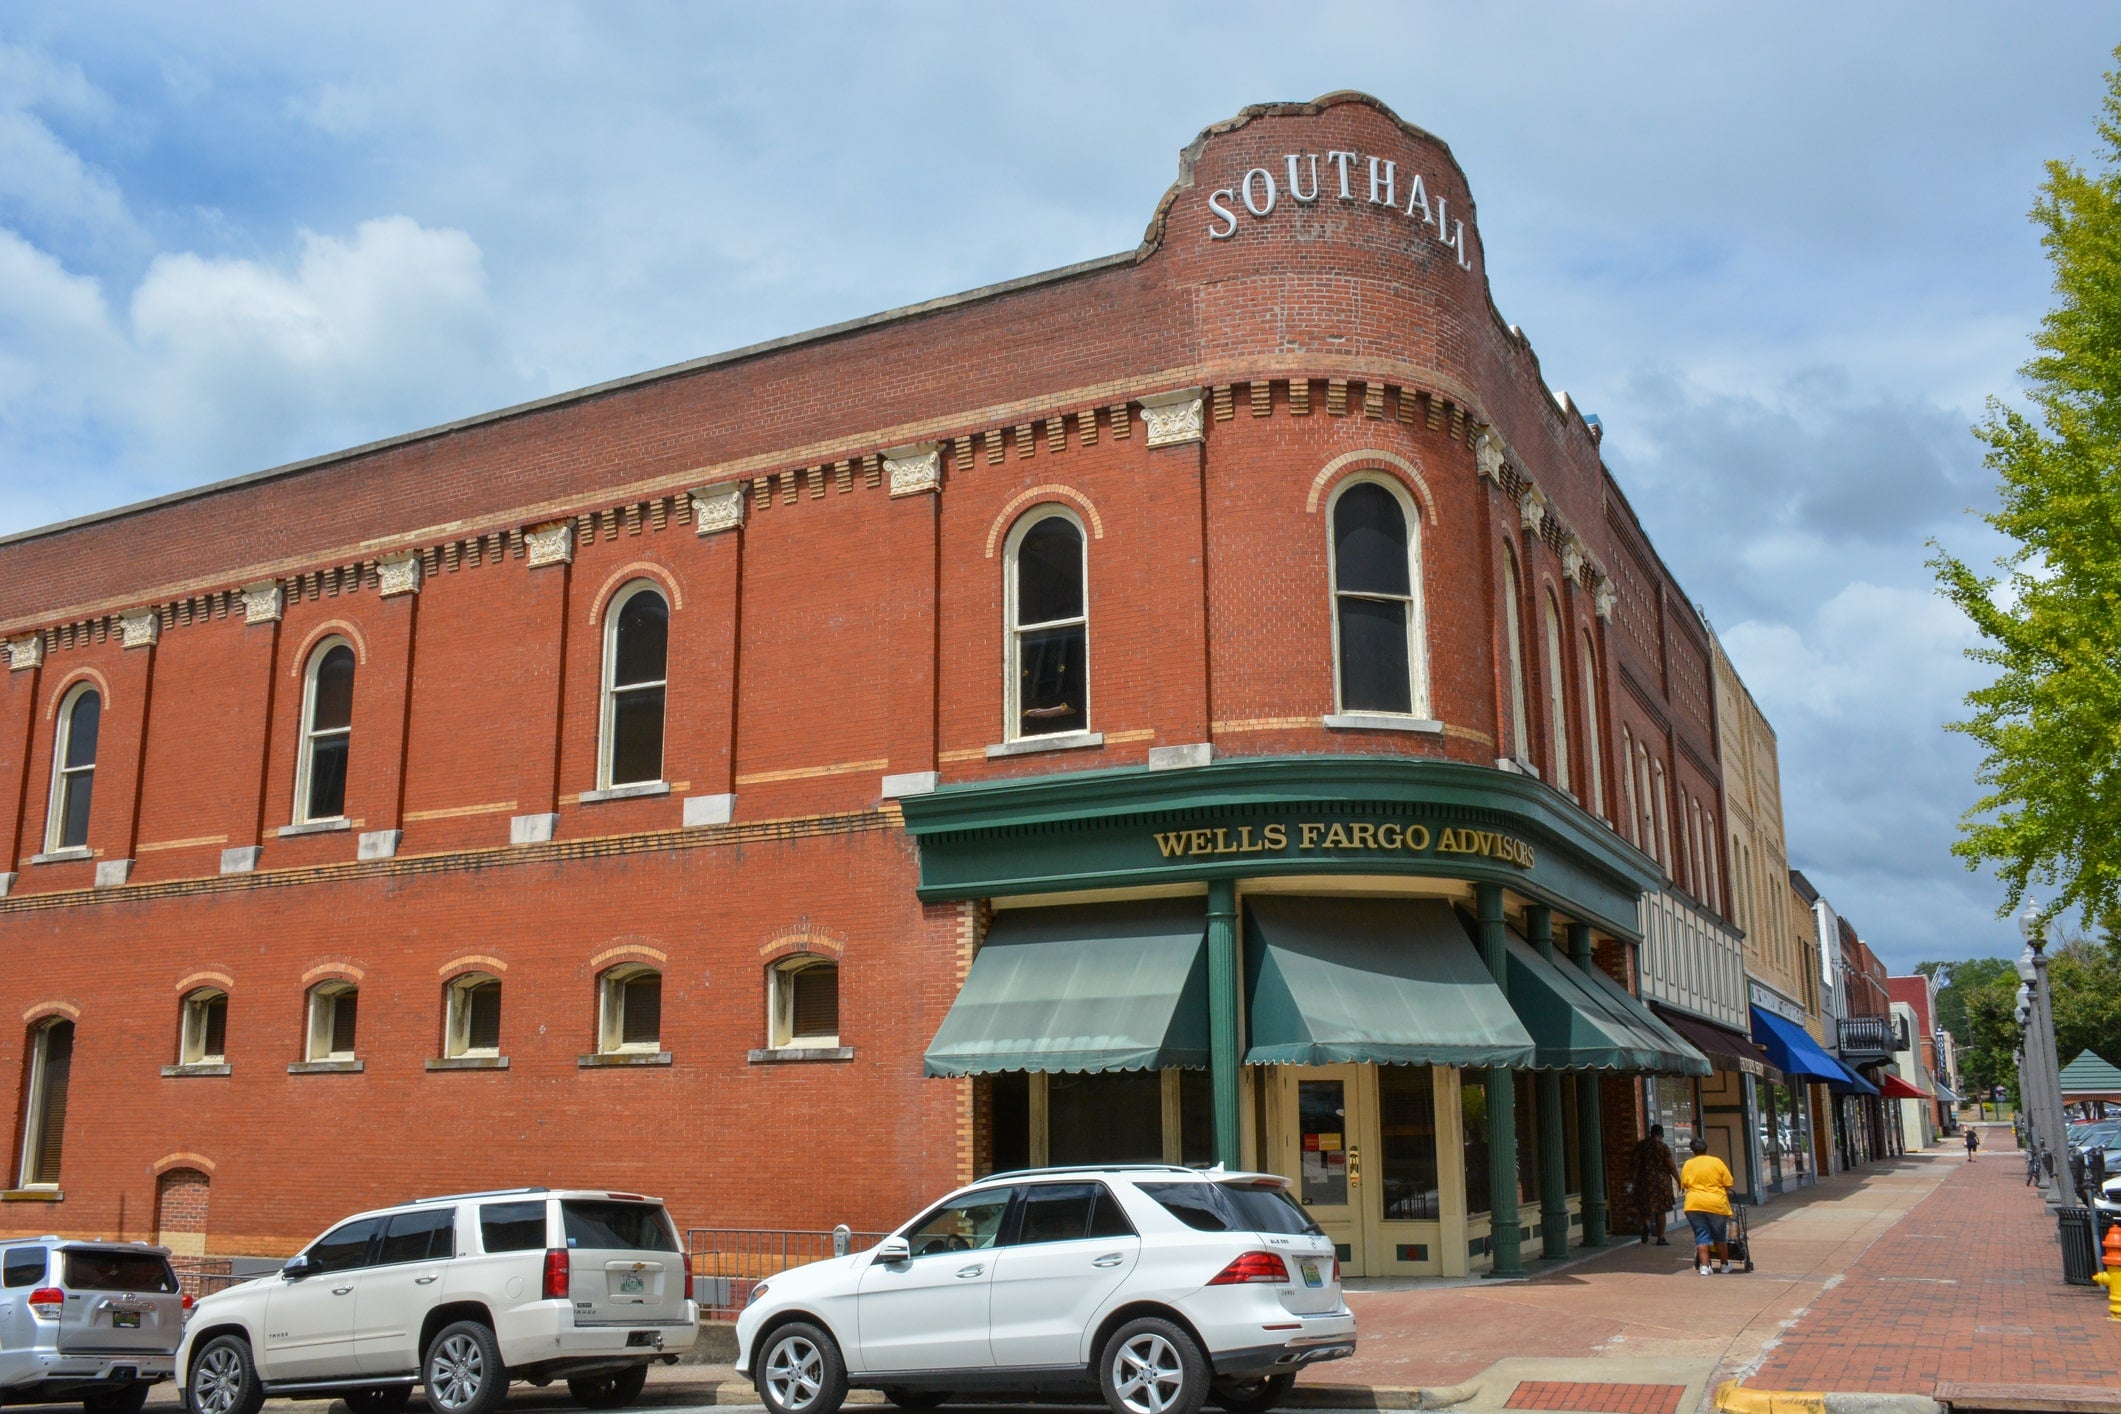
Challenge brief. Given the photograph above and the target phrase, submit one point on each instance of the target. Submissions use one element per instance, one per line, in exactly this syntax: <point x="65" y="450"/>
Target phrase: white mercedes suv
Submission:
<point x="1159" y="1286"/>
<point x="459" y="1295"/>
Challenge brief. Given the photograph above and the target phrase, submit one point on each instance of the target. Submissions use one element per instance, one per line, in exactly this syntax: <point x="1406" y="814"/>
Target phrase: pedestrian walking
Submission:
<point x="1656" y="1172"/>
<point x="1708" y="1185"/>
<point x="1973" y="1142"/>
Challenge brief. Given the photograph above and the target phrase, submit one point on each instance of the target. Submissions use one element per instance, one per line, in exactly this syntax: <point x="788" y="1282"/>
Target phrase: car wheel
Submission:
<point x="1254" y="1396"/>
<point x="1152" y="1366"/>
<point x="801" y="1372"/>
<point x="383" y="1399"/>
<point x="223" y="1380"/>
<point x="130" y="1400"/>
<point x="463" y="1373"/>
<point x="915" y="1400"/>
<point x="614" y="1389"/>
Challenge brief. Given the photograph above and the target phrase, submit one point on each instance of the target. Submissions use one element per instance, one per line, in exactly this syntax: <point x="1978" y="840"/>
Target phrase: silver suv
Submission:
<point x="459" y="1295"/>
<point x="97" y="1322"/>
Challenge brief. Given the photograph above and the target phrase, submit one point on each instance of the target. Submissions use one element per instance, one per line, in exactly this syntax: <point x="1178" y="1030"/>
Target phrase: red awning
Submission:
<point x="1892" y="1087"/>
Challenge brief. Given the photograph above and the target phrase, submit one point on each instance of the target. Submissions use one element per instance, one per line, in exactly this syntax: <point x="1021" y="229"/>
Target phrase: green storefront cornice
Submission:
<point x="1098" y="830"/>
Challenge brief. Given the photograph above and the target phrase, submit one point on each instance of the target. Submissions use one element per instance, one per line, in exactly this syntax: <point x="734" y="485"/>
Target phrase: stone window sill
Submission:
<point x="31" y="1195"/>
<point x="1382" y="722"/>
<point x="632" y="792"/>
<point x="63" y="856"/>
<point x="327" y="1067"/>
<point x="315" y="827"/>
<point x="603" y="1059"/>
<point x="468" y="1063"/>
<point x="180" y="1072"/>
<point x="777" y="1055"/>
<point x="1032" y="745"/>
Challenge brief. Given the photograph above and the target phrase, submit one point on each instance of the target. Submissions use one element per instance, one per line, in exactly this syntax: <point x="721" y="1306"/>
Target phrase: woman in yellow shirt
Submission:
<point x="1708" y="1187"/>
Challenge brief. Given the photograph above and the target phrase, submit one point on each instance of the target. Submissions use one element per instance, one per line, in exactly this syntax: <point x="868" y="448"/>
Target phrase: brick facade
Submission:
<point x="849" y="629"/>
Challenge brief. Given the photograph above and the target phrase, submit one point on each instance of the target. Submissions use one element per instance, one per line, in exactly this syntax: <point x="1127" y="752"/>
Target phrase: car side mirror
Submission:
<point x="297" y="1267"/>
<point x="892" y="1251"/>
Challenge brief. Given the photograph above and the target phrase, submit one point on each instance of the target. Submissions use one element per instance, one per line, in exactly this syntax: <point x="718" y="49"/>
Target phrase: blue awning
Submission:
<point x="1793" y="1052"/>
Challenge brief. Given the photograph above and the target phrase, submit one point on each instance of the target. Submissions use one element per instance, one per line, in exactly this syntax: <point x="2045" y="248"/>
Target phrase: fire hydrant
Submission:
<point x="2111" y="1277"/>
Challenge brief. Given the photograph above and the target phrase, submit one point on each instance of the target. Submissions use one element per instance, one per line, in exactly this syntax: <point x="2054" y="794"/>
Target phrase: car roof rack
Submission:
<point x="482" y="1193"/>
<point x="1093" y="1168"/>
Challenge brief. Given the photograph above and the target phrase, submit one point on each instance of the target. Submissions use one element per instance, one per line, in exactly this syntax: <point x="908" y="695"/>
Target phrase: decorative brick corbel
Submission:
<point x="25" y="652"/>
<point x="264" y="602"/>
<point x="1532" y="508"/>
<point x="398" y="574"/>
<point x="915" y="469"/>
<point x="1174" y="418"/>
<point x="1572" y="560"/>
<point x="549" y="544"/>
<point x="1604" y="598"/>
<point x="1488" y="455"/>
<point x="718" y="508"/>
<point x="140" y="628"/>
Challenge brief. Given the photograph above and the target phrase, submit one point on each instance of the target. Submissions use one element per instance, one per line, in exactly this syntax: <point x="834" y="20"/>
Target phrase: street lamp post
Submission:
<point x="2039" y="1078"/>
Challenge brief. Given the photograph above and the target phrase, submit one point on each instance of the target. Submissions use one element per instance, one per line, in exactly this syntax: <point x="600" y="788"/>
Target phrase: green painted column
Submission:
<point x="1502" y="1105"/>
<point x="1225" y="1053"/>
<point x="1590" y="1124"/>
<point x="1553" y="1157"/>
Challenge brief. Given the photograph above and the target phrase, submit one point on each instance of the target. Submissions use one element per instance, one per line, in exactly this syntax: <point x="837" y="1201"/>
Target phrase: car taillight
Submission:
<point x="184" y="1302"/>
<point x="1335" y="1278"/>
<point x="558" y="1275"/>
<point x="47" y="1302"/>
<point x="1251" y="1267"/>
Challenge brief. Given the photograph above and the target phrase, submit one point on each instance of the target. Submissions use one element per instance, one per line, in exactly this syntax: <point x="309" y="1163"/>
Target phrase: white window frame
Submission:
<point x="63" y="777"/>
<point x="1417" y="623"/>
<point x="607" y="693"/>
<point x="1593" y="765"/>
<point x="306" y="749"/>
<point x="1664" y="813"/>
<point x="31" y="1150"/>
<point x="780" y="1003"/>
<point x="1647" y="807"/>
<point x="611" y="1012"/>
<point x="323" y="1018"/>
<point x="1557" y="693"/>
<point x="456" y="1018"/>
<point x="191" y="1037"/>
<point x="1013" y="630"/>
<point x="1627" y="781"/>
<point x="1513" y="622"/>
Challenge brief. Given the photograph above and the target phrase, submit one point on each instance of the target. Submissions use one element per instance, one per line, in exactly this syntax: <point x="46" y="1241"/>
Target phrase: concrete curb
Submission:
<point x="1734" y="1398"/>
<point x="730" y="1392"/>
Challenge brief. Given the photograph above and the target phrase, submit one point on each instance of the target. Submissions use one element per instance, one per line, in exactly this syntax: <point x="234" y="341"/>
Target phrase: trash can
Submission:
<point x="2080" y="1253"/>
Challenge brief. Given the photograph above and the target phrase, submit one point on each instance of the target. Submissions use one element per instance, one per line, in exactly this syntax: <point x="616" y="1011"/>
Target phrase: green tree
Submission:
<point x="1977" y="1003"/>
<point x="2087" y="982"/>
<point x="2050" y="723"/>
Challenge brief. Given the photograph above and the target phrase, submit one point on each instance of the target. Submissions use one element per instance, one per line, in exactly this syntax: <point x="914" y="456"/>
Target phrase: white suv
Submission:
<point x="460" y="1295"/>
<point x="1160" y="1286"/>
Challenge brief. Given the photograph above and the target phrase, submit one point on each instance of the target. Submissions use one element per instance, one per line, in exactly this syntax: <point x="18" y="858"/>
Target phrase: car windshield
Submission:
<point x="119" y="1271"/>
<point x="604" y="1225"/>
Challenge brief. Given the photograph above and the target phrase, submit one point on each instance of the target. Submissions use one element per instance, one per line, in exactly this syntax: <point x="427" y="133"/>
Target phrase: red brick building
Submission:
<point x="638" y="787"/>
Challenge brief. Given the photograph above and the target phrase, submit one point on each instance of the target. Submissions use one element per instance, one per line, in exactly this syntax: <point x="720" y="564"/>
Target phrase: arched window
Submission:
<point x="50" y="1062"/>
<point x="472" y="1018"/>
<point x="1377" y="601"/>
<point x="327" y="730"/>
<point x="1049" y="626"/>
<point x="1633" y="822"/>
<point x="1646" y="820"/>
<point x="1513" y="627"/>
<point x="1664" y="816"/>
<point x="1593" y="766"/>
<point x="74" y="769"/>
<point x="803" y="1003"/>
<point x="203" y="1037"/>
<point x="630" y="1010"/>
<point x="334" y="1007"/>
<point x="636" y="663"/>
<point x="1557" y="696"/>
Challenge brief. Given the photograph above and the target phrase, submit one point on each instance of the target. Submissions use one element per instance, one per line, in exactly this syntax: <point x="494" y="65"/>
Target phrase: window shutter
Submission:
<point x="343" y="1009"/>
<point x="483" y="1032"/>
<point x="57" y="1070"/>
<point x="817" y="1000"/>
<point x="643" y="1006"/>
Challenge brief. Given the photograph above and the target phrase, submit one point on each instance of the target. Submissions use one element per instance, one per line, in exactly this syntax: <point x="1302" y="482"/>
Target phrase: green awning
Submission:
<point x="1572" y="1026"/>
<point x="1394" y="981"/>
<point x="1675" y="1054"/>
<point x="1090" y="987"/>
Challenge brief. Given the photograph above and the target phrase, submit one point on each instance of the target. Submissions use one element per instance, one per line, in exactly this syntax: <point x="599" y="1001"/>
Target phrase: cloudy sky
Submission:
<point x="1782" y="251"/>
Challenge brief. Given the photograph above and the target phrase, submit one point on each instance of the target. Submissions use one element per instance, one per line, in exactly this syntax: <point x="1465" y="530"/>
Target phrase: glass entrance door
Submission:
<point x="1332" y="1133"/>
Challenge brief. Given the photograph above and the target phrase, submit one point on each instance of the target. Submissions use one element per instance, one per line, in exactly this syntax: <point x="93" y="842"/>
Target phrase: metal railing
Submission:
<point x="726" y="1263"/>
<point x="1871" y="1036"/>
<point x="202" y="1276"/>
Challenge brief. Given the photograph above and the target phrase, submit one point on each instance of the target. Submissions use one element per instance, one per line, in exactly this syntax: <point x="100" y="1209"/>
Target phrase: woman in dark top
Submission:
<point x="1656" y="1176"/>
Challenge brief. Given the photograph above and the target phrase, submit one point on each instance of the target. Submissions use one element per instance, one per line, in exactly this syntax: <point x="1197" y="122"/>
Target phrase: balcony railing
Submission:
<point x="1871" y="1037"/>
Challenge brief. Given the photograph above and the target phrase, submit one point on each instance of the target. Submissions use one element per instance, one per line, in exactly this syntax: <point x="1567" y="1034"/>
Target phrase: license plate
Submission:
<point x="631" y="1283"/>
<point x="1311" y="1276"/>
<point x="125" y="1320"/>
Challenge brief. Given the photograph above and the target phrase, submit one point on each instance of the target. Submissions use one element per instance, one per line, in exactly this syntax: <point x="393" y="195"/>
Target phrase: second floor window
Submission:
<point x="51" y="1067"/>
<point x="803" y="1003"/>
<point x="327" y="731"/>
<point x="1557" y="698"/>
<point x="204" y="1039"/>
<point x="636" y="659"/>
<point x="1513" y="628"/>
<point x="473" y="1024"/>
<point x="1376" y="618"/>
<point x="630" y="1011"/>
<point x="1049" y="627"/>
<point x="333" y="1009"/>
<point x="74" y="769"/>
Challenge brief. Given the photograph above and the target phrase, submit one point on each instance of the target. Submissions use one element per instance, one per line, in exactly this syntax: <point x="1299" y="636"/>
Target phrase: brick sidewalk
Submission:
<point x="1967" y="1287"/>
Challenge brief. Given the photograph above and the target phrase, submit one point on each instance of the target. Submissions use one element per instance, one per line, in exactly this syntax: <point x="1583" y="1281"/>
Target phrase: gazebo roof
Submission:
<point x="2091" y="1076"/>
